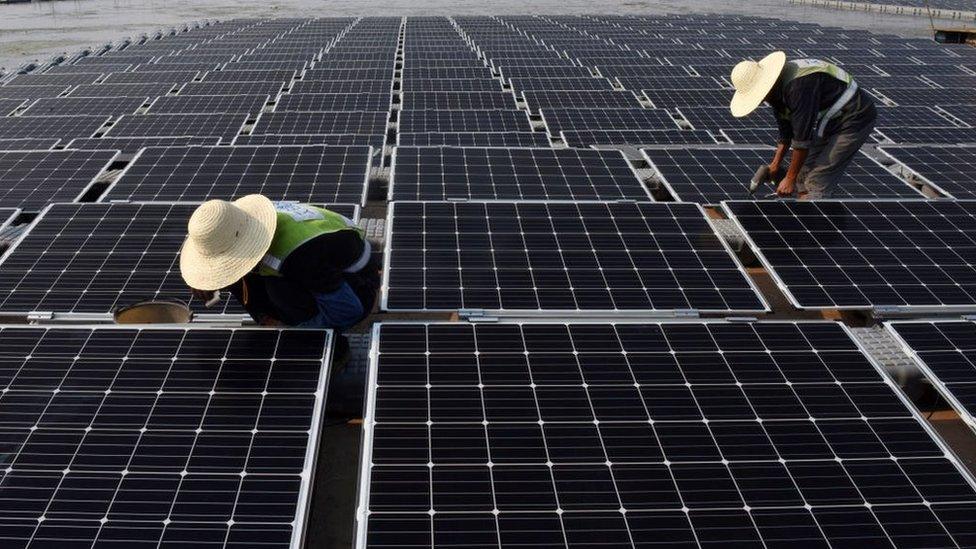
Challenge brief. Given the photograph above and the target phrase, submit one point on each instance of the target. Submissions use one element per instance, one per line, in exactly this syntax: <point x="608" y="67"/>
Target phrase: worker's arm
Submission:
<point x="777" y="161"/>
<point x="788" y="185"/>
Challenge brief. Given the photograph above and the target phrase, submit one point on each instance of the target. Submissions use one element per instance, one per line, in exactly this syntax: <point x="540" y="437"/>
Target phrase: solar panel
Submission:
<point x="680" y="434"/>
<point x="558" y="120"/>
<point x="150" y="89"/>
<point x="33" y="179"/>
<point x="944" y="350"/>
<point x="606" y="99"/>
<point x="666" y="99"/>
<point x="28" y="144"/>
<point x="888" y="255"/>
<point x="424" y="73"/>
<point x="592" y="258"/>
<point x="8" y="106"/>
<point x="279" y="75"/>
<point x="952" y="170"/>
<point x="458" y="101"/>
<point x="209" y="104"/>
<point x="231" y="88"/>
<point x="628" y="71"/>
<point x="321" y="123"/>
<point x="129" y="145"/>
<point x="68" y="69"/>
<point x="913" y="69"/>
<point x="711" y="175"/>
<point x="928" y="96"/>
<point x="452" y="85"/>
<point x="927" y="135"/>
<point x="473" y="139"/>
<point x="325" y="102"/>
<point x="586" y="138"/>
<point x="95" y="257"/>
<point x="32" y="92"/>
<point x="7" y="215"/>
<point x="535" y="71"/>
<point x="315" y="174"/>
<point x="62" y="127"/>
<point x="342" y="86"/>
<point x="912" y="117"/>
<point x="329" y="75"/>
<point x="52" y="79"/>
<point x="225" y="126"/>
<point x="448" y="121"/>
<point x="115" y="443"/>
<point x="719" y="118"/>
<point x="964" y="113"/>
<point x="637" y="83"/>
<point x="448" y="173"/>
<point x="141" y="77"/>
<point x="755" y="136"/>
<point x="553" y="84"/>
<point x="103" y="106"/>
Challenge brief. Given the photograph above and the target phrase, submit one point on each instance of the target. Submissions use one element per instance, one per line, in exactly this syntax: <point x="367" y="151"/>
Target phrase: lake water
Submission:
<point x="36" y="31"/>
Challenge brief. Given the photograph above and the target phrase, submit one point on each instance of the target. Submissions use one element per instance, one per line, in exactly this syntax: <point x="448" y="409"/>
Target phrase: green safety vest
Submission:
<point x="297" y="224"/>
<point x="805" y="67"/>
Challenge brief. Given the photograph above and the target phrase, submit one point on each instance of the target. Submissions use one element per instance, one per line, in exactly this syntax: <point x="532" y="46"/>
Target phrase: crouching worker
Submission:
<point x="286" y="263"/>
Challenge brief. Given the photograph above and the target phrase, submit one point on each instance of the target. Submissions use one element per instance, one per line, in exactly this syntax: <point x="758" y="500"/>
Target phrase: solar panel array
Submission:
<point x="138" y="437"/>
<point x="32" y="179"/>
<point x="688" y="434"/>
<point x="947" y="168"/>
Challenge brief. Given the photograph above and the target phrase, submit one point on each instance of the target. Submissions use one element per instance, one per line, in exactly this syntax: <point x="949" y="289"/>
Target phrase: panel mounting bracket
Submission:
<point x="476" y="315"/>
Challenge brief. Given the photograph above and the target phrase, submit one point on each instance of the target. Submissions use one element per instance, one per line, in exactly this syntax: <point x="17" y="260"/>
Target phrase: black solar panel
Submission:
<point x="129" y="145"/>
<point x="343" y="86"/>
<point x="586" y="138"/>
<point x="225" y="126"/>
<point x="600" y="99"/>
<point x="448" y="121"/>
<point x="209" y="104"/>
<point x="928" y="135"/>
<point x="558" y="120"/>
<point x="32" y="92"/>
<point x="75" y="79"/>
<point x="231" y="88"/>
<point x="110" y="441"/>
<point x="637" y="83"/>
<point x="249" y="76"/>
<point x="423" y="73"/>
<point x="28" y="144"/>
<point x="472" y="139"/>
<point x="33" y="179"/>
<point x="553" y="84"/>
<point x="945" y="351"/>
<point x="720" y="118"/>
<point x="538" y="256"/>
<point x="929" y="96"/>
<point x="172" y="77"/>
<point x="452" y="85"/>
<point x="325" y="102"/>
<point x="61" y="127"/>
<point x="964" y="113"/>
<point x="68" y="106"/>
<point x="447" y="173"/>
<point x="376" y="141"/>
<point x="753" y="136"/>
<point x="458" y="101"/>
<point x="667" y="99"/>
<point x="315" y="174"/>
<point x="151" y="89"/>
<point x="681" y="434"/>
<point x="912" y="117"/>
<point x="535" y="71"/>
<point x="890" y="255"/>
<point x="8" y="106"/>
<point x="329" y="75"/>
<point x="711" y="175"/>
<point x="951" y="170"/>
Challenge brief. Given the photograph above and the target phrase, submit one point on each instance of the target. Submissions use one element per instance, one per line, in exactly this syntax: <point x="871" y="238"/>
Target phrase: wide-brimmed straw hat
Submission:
<point x="752" y="82"/>
<point x="225" y="240"/>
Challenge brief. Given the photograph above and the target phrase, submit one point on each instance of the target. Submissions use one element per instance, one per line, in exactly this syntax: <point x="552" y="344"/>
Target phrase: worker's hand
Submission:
<point x="773" y="172"/>
<point x="786" y="187"/>
<point x="203" y="295"/>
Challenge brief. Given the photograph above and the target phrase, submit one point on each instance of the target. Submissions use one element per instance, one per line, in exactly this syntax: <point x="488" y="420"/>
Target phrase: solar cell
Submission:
<point x="452" y="85"/>
<point x="944" y="350"/>
<point x="585" y="257"/>
<point x="96" y="257"/>
<point x="448" y="121"/>
<point x="951" y="170"/>
<point x="755" y="136"/>
<point x="888" y="255"/>
<point x="376" y="141"/>
<point x="667" y="99"/>
<point x="325" y="102"/>
<point x="142" y="77"/>
<point x="717" y="118"/>
<point x="61" y="127"/>
<point x="690" y="434"/>
<point x="711" y="175"/>
<point x="315" y="174"/>
<point x="321" y="123"/>
<point x="225" y="126"/>
<point x="458" y="101"/>
<point x="600" y="99"/>
<point x="8" y="106"/>
<point x="587" y="138"/>
<point x="473" y="139"/>
<point x="113" y="442"/>
<point x="927" y="135"/>
<point x="146" y="89"/>
<point x="33" y="179"/>
<point x="449" y="173"/>
<point x="129" y="145"/>
<point x="209" y="104"/>
<point x="103" y="106"/>
<point x="558" y="120"/>
<point x="28" y="144"/>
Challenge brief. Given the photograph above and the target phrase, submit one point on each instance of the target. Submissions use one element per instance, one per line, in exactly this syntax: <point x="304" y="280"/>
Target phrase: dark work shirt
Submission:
<point x="806" y="97"/>
<point x="315" y="267"/>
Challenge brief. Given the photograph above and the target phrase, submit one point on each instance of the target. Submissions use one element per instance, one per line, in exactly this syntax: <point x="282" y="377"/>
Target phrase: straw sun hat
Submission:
<point x="752" y="82"/>
<point x="225" y="240"/>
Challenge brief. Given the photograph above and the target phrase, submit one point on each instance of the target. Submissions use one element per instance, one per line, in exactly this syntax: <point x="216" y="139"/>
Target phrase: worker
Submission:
<point x="820" y="112"/>
<point x="288" y="264"/>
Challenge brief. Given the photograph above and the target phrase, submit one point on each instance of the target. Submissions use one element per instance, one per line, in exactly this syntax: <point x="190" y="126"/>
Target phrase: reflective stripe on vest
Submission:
<point x="297" y="224"/>
<point x="805" y="67"/>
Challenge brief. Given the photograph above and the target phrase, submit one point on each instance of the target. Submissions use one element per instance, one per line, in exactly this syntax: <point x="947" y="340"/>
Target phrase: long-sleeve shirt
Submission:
<point x="805" y="98"/>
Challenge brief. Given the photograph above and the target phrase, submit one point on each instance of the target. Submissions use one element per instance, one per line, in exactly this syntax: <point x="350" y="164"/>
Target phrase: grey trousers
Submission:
<point x="828" y="159"/>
